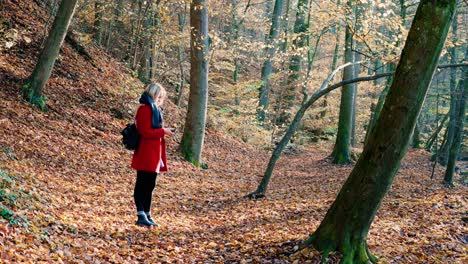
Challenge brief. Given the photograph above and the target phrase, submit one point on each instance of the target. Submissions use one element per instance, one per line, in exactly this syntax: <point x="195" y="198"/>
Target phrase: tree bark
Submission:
<point x="267" y="66"/>
<point x="180" y="55"/>
<point x="416" y="141"/>
<point x="300" y="27"/>
<point x="380" y="103"/>
<point x="342" y="150"/>
<point x="32" y="90"/>
<point x="98" y="14"/>
<point x="445" y="149"/>
<point x="347" y="222"/>
<point x="323" y="113"/>
<point x="461" y="93"/>
<point x="433" y="137"/>
<point x="194" y="130"/>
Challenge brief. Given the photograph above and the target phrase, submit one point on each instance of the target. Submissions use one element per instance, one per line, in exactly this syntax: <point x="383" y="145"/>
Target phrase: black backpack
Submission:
<point x="130" y="137"/>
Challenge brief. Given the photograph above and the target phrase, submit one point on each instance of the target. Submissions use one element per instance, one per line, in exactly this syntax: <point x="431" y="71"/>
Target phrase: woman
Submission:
<point x="150" y="157"/>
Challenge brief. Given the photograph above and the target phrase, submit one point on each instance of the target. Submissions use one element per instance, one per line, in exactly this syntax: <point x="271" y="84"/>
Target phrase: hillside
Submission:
<point x="66" y="179"/>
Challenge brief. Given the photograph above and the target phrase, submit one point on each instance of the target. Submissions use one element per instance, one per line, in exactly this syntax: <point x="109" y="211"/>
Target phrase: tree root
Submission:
<point x="255" y="195"/>
<point x="354" y="253"/>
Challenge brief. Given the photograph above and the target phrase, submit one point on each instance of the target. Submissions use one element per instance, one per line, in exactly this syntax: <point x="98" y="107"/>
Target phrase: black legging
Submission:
<point x="145" y="183"/>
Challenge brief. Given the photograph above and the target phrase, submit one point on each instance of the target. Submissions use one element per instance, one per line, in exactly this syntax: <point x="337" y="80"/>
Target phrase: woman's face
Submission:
<point x="159" y="99"/>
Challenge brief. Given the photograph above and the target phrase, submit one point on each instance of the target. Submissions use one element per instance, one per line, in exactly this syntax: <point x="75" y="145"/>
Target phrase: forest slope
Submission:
<point x="67" y="180"/>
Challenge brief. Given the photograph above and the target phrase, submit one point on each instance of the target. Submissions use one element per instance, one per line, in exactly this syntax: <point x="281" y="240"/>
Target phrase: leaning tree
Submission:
<point x="347" y="222"/>
<point x="32" y="90"/>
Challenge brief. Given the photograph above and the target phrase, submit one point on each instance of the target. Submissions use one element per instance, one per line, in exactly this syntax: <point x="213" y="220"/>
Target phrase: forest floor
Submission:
<point x="66" y="185"/>
<point x="72" y="203"/>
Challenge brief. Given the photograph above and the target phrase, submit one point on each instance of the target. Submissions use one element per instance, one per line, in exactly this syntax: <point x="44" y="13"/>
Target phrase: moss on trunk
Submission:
<point x="347" y="222"/>
<point x="32" y="90"/>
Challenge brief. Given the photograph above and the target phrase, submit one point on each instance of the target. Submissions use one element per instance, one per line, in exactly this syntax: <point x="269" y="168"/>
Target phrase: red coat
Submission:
<point x="152" y="148"/>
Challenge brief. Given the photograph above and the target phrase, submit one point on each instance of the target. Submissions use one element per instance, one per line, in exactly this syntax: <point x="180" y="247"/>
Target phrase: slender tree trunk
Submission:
<point x="357" y="69"/>
<point x="359" y="10"/>
<point x="323" y="113"/>
<point x="32" y="90"/>
<point x="378" y="69"/>
<point x="235" y="27"/>
<point x="433" y="137"/>
<point x="263" y="185"/>
<point x="267" y="67"/>
<point x="380" y="103"/>
<point x="342" y="151"/>
<point x="98" y="25"/>
<point x="180" y="54"/>
<point x="461" y="93"/>
<point x="445" y="149"/>
<point x="300" y="27"/>
<point x="136" y="40"/>
<point x="194" y="130"/>
<point x="416" y="141"/>
<point x="363" y="191"/>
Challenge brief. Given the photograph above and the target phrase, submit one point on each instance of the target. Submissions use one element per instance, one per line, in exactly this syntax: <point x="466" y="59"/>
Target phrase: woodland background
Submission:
<point x="60" y="169"/>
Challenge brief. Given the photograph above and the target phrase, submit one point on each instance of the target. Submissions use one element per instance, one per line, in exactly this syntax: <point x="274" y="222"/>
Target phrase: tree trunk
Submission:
<point x="357" y="69"/>
<point x="342" y="152"/>
<point x="359" y="10"/>
<point x="323" y="113"/>
<point x="235" y="27"/>
<point x="461" y="93"/>
<point x="98" y="14"/>
<point x="300" y="27"/>
<point x="32" y="90"/>
<point x="416" y="141"/>
<point x="380" y="103"/>
<point x="347" y="222"/>
<point x="180" y="55"/>
<point x="262" y="187"/>
<point x="445" y="149"/>
<point x="267" y="67"/>
<point x="378" y="69"/>
<point x="433" y="137"/>
<point x="194" y="130"/>
<point x="390" y="68"/>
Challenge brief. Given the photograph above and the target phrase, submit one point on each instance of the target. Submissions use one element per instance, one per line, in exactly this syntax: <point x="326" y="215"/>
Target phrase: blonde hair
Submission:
<point x="155" y="89"/>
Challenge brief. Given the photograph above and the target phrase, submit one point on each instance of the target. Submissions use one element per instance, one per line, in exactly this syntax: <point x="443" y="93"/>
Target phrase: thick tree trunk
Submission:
<point x="342" y="150"/>
<point x="32" y="90"/>
<point x="390" y="68"/>
<point x="380" y="103"/>
<point x="346" y="224"/>
<point x="194" y="130"/>
<point x="267" y="67"/>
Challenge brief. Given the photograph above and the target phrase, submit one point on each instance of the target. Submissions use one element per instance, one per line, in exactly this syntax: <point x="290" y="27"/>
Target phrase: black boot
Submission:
<point x="153" y="223"/>
<point x="143" y="221"/>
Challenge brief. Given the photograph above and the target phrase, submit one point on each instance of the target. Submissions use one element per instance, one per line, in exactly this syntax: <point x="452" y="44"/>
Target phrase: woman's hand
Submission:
<point x="168" y="131"/>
